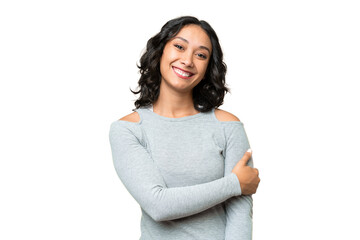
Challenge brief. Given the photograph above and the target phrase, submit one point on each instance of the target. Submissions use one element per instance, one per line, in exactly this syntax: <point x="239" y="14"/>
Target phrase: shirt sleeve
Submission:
<point x="239" y="209"/>
<point x="139" y="174"/>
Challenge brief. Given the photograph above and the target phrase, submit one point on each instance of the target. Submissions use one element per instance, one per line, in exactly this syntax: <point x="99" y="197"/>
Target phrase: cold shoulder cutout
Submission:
<point x="132" y="117"/>
<point x="224" y="116"/>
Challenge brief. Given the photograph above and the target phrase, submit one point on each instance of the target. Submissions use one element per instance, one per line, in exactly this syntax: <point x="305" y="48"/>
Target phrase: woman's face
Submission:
<point x="185" y="58"/>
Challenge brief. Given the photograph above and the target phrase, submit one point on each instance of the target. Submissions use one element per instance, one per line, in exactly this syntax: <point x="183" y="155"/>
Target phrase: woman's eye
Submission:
<point x="178" y="46"/>
<point x="202" y="55"/>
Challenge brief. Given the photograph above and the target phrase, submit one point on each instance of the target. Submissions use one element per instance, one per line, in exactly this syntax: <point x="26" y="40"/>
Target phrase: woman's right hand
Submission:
<point x="248" y="176"/>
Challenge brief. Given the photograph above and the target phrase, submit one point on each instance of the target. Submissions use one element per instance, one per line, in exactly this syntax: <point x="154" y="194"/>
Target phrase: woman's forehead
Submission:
<point x="195" y="35"/>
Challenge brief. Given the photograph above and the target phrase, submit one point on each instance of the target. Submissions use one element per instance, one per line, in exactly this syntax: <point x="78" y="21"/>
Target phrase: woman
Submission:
<point x="182" y="159"/>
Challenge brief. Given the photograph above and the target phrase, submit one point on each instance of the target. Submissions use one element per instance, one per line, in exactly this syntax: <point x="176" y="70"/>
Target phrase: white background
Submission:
<point x="66" y="68"/>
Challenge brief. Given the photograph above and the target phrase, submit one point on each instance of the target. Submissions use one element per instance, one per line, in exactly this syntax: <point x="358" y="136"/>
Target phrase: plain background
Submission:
<point x="66" y="68"/>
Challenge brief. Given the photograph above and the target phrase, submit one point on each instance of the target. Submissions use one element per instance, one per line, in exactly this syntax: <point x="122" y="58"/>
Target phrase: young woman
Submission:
<point x="184" y="160"/>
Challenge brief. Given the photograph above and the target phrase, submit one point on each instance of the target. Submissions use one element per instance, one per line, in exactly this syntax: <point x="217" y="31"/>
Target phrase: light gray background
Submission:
<point x="66" y="68"/>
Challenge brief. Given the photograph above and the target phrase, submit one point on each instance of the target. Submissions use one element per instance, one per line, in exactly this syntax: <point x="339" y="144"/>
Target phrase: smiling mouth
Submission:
<point x="181" y="73"/>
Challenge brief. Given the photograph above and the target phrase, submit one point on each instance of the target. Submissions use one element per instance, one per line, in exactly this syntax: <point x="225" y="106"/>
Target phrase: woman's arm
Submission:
<point x="239" y="209"/>
<point x="143" y="180"/>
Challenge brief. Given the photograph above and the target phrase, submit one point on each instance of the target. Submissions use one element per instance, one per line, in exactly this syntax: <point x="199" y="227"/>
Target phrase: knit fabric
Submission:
<point x="179" y="172"/>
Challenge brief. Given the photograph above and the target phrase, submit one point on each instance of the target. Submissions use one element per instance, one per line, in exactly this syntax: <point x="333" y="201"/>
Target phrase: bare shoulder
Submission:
<point x="225" y="116"/>
<point x="132" y="117"/>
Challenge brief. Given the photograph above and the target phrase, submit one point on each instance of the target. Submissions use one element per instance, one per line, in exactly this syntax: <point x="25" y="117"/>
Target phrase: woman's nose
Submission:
<point x="187" y="60"/>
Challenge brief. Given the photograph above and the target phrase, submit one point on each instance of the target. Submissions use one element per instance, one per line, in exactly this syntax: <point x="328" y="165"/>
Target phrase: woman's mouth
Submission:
<point x="181" y="73"/>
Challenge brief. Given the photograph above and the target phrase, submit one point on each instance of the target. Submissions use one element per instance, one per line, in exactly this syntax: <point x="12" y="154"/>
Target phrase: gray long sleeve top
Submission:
<point x="179" y="171"/>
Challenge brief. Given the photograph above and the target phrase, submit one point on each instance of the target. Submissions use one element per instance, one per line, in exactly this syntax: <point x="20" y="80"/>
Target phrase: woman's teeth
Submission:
<point x="184" y="74"/>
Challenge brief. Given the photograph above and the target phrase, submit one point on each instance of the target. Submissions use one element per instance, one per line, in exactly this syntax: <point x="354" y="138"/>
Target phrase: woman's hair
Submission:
<point x="208" y="93"/>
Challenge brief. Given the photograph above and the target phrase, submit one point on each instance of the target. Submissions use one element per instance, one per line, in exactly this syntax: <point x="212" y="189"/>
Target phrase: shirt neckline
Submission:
<point x="150" y="110"/>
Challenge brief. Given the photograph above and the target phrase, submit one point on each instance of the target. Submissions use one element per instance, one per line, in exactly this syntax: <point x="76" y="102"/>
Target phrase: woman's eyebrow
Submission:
<point x="203" y="47"/>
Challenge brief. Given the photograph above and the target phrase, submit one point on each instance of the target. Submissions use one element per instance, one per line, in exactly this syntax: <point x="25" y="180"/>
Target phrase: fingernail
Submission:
<point x="249" y="150"/>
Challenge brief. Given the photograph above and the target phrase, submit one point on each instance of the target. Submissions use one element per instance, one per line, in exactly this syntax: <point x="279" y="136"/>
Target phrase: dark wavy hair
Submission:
<point x="208" y="93"/>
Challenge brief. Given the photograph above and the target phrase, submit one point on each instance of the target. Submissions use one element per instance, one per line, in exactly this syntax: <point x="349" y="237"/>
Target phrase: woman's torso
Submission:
<point x="187" y="151"/>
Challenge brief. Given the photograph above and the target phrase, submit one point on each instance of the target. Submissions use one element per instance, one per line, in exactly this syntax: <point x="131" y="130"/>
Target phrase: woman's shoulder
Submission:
<point x="127" y="124"/>
<point x="224" y="116"/>
<point x="132" y="117"/>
